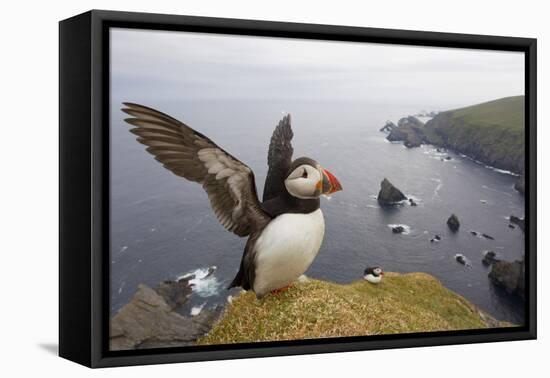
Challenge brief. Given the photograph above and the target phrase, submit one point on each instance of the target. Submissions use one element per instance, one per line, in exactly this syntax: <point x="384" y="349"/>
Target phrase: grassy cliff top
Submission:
<point x="402" y="303"/>
<point x="507" y="112"/>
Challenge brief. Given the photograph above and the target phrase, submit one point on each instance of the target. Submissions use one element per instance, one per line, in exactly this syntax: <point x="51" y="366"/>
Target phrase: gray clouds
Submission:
<point x="159" y="65"/>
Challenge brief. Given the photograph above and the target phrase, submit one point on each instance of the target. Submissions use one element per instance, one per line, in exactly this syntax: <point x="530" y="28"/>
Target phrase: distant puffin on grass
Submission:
<point x="373" y="274"/>
<point x="285" y="230"/>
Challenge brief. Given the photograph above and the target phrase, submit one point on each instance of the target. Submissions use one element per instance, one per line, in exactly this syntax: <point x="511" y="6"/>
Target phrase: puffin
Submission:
<point x="285" y="230"/>
<point x="373" y="274"/>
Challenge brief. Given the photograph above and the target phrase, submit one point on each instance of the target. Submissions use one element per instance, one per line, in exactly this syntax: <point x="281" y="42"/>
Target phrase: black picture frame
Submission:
<point x="84" y="186"/>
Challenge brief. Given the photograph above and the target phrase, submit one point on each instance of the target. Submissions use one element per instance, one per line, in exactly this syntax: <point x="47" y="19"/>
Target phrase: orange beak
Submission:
<point x="330" y="183"/>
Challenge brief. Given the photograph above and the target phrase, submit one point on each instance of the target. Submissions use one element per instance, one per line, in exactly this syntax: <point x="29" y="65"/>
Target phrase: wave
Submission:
<point x="196" y="310"/>
<point x="438" y="187"/>
<point x="503" y="171"/>
<point x="205" y="283"/>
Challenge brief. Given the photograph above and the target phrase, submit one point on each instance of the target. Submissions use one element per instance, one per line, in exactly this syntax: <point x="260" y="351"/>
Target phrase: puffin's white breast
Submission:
<point x="286" y="248"/>
<point x="373" y="279"/>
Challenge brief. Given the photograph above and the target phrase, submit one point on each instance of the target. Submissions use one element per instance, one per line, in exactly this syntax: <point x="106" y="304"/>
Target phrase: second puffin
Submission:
<point x="285" y="231"/>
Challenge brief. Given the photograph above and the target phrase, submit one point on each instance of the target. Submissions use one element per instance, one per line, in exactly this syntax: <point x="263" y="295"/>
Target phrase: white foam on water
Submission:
<point x="204" y="283"/>
<point x="406" y="227"/>
<point x="416" y="199"/>
<point x="438" y="186"/>
<point x="121" y="287"/>
<point x="196" y="310"/>
<point x="123" y="249"/>
<point x="503" y="171"/>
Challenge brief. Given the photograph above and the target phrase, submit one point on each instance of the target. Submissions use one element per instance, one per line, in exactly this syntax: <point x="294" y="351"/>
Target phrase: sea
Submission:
<point x="162" y="226"/>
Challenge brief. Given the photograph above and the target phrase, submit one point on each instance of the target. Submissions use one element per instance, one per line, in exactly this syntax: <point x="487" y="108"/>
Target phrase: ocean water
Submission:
<point x="162" y="226"/>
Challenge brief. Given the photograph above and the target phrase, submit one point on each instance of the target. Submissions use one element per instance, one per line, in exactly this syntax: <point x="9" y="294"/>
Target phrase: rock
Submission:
<point x="511" y="226"/>
<point x="436" y="238"/>
<point x="520" y="222"/>
<point x="489" y="258"/>
<point x="409" y="130"/>
<point x="510" y="276"/>
<point x="474" y="233"/>
<point x="398" y="229"/>
<point x="453" y="223"/>
<point x="389" y="194"/>
<point x="461" y="259"/>
<point x="412" y="203"/>
<point x="448" y="158"/>
<point x="388" y="127"/>
<point x="486" y="236"/>
<point x="397" y="135"/>
<point x="175" y="293"/>
<point x="520" y="185"/>
<point x="148" y="321"/>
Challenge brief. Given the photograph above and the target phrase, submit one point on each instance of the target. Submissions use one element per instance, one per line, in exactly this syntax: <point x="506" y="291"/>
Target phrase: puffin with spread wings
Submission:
<point x="285" y="231"/>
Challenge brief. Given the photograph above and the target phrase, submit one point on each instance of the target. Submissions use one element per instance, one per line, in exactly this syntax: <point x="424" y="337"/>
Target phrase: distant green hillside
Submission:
<point x="492" y="132"/>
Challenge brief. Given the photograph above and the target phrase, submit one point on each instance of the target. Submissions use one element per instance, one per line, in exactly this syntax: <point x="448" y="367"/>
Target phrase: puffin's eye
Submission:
<point x="304" y="174"/>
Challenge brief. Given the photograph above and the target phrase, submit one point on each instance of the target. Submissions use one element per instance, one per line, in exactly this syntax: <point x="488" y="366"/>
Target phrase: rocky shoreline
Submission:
<point x="496" y="146"/>
<point x="508" y="275"/>
<point x="152" y="318"/>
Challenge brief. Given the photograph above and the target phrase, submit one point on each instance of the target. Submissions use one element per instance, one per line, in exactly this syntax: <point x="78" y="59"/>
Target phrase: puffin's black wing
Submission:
<point x="279" y="159"/>
<point x="228" y="182"/>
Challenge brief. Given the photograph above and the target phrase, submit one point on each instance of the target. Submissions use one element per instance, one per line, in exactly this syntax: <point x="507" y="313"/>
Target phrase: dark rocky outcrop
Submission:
<point x="453" y="223"/>
<point x="510" y="276"/>
<point x="398" y="229"/>
<point x="487" y="236"/>
<point x="408" y="130"/>
<point x="175" y="293"/>
<point x="489" y="258"/>
<point x="412" y="203"/>
<point x="436" y="238"/>
<point x="388" y="127"/>
<point x="151" y="320"/>
<point x="389" y="194"/>
<point x="520" y="222"/>
<point x="460" y="258"/>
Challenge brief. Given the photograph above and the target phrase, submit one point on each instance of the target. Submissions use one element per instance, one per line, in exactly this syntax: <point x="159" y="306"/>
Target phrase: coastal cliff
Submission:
<point x="401" y="303"/>
<point x="492" y="132"/>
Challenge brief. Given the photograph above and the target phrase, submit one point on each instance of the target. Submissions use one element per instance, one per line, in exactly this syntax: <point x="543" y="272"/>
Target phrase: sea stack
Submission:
<point x="389" y="194"/>
<point x="453" y="223"/>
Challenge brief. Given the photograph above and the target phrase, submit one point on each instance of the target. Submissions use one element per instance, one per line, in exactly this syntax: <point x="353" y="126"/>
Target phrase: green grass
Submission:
<point x="492" y="132"/>
<point x="414" y="302"/>
<point x="506" y="113"/>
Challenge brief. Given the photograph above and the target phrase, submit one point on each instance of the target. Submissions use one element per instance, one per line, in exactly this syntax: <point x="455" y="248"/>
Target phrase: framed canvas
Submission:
<point x="235" y="188"/>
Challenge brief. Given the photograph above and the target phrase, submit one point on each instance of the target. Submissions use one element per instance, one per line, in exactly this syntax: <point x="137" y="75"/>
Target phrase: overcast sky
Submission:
<point x="186" y="66"/>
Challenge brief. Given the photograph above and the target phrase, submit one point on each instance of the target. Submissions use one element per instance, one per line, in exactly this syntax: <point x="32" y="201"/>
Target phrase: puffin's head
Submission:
<point x="306" y="179"/>
<point x="377" y="272"/>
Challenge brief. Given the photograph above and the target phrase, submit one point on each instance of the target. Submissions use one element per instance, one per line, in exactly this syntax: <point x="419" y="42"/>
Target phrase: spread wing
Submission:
<point x="228" y="182"/>
<point x="279" y="159"/>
